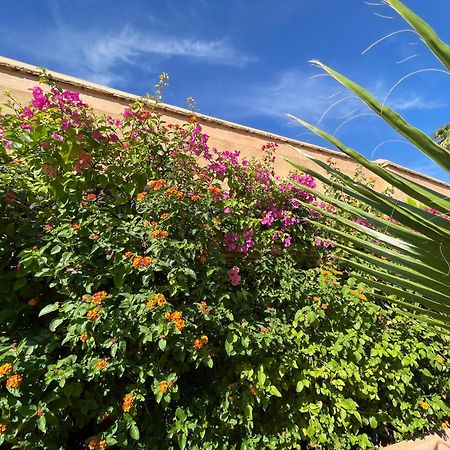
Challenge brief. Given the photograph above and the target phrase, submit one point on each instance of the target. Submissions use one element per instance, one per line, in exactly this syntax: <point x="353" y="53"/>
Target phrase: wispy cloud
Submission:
<point x="294" y="92"/>
<point x="319" y="98"/>
<point x="100" y="54"/>
<point x="132" y="47"/>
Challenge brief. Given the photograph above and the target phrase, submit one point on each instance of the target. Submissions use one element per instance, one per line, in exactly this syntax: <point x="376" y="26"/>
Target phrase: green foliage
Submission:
<point x="442" y="136"/>
<point x="403" y="249"/>
<point x="156" y="294"/>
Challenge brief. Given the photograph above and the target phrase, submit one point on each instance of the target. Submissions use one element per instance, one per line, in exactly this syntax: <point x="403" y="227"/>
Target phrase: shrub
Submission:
<point x="157" y="293"/>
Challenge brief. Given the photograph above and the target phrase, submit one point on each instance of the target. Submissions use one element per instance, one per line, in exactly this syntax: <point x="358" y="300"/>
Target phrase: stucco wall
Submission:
<point x="17" y="78"/>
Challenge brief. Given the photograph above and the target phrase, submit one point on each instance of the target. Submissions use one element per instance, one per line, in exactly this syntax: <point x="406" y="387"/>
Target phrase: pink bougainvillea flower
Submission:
<point x="27" y="112"/>
<point x="288" y="241"/>
<point x="39" y="101"/>
<point x="97" y="135"/>
<point x="65" y="123"/>
<point x="127" y="113"/>
<point x="57" y="137"/>
<point x="50" y="171"/>
<point x="83" y="162"/>
<point x="233" y="275"/>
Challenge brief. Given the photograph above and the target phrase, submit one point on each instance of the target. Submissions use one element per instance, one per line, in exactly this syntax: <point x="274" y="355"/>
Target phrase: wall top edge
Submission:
<point x="7" y="64"/>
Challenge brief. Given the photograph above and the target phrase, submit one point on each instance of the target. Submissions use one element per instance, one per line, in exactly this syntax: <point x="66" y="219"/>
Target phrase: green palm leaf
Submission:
<point x="406" y="262"/>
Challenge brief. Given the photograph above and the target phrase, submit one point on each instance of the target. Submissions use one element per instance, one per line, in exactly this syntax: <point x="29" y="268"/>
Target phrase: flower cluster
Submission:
<point x="174" y="191"/>
<point x="177" y="318"/>
<point x="93" y="314"/>
<point x="97" y="298"/>
<point x="204" y="308"/>
<point x="138" y="261"/>
<point x="158" y="299"/>
<point x="6" y="369"/>
<point x="128" y="402"/>
<point x="199" y="343"/>
<point x="97" y="444"/>
<point x="164" y="386"/>
<point x="157" y="184"/>
<point x="142" y="261"/>
<point x="239" y="243"/>
<point x="424" y="405"/>
<point x="14" y="381"/>
<point x="233" y="276"/>
<point x="141" y="196"/>
<point x="101" y="363"/>
<point x="163" y="234"/>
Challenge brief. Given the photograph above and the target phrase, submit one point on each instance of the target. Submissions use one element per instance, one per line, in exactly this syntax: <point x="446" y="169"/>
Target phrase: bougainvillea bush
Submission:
<point x="157" y="293"/>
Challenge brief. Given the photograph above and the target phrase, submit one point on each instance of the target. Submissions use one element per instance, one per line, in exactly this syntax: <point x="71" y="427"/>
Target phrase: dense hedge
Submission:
<point x="158" y="293"/>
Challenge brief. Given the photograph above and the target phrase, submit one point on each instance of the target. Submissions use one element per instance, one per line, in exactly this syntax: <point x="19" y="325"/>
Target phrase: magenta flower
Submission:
<point x="233" y="275"/>
<point x="127" y="113"/>
<point x="288" y="241"/>
<point x="57" y="137"/>
<point x="65" y="123"/>
<point x="27" y="112"/>
<point x="39" y="100"/>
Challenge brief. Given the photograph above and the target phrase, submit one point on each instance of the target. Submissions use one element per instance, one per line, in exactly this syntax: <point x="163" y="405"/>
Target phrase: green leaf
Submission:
<point x="56" y="249"/>
<point x="48" y="309"/>
<point x="182" y="441"/>
<point x="42" y="423"/>
<point x="274" y="391"/>
<point x="134" y="432"/>
<point x="261" y="378"/>
<point x="54" y="324"/>
<point x="181" y="415"/>
<point x="162" y="344"/>
<point x="119" y="276"/>
<point x="373" y="422"/>
<point x="429" y="36"/>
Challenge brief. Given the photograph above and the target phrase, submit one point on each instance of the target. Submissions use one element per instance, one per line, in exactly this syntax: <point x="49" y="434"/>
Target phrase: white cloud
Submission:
<point x="294" y="92"/>
<point x="100" y="54"/>
<point x="318" y="98"/>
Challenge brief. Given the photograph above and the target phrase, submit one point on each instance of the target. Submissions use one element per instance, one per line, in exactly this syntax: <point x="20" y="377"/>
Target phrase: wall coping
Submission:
<point x="34" y="71"/>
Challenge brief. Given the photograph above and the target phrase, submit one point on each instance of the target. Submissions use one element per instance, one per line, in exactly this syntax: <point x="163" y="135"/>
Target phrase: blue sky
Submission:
<point x="247" y="60"/>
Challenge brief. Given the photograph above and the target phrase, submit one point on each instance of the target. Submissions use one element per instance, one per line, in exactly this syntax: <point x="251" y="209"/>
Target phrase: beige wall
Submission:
<point x="17" y="78"/>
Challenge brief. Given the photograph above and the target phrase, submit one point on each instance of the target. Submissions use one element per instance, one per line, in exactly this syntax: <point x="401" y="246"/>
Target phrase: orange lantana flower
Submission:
<point x="214" y="190"/>
<point x="128" y="401"/>
<point x="98" y="297"/>
<point x="160" y="234"/>
<point x="141" y="196"/>
<point x="164" y="386"/>
<point x="14" y="381"/>
<point x="5" y="369"/>
<point x="93" y="314"/>
<point x="101" y="364"/>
